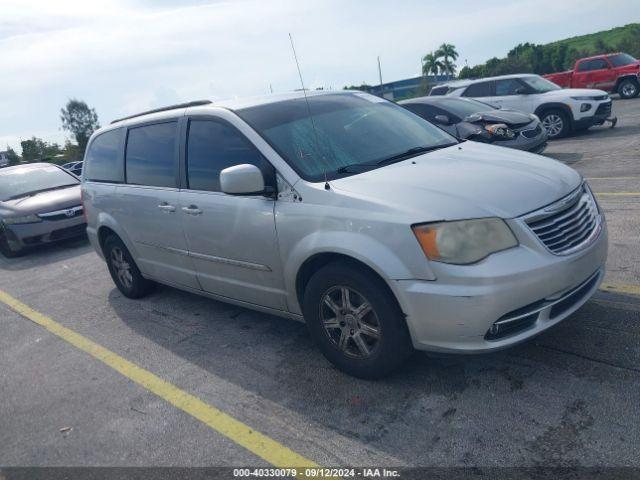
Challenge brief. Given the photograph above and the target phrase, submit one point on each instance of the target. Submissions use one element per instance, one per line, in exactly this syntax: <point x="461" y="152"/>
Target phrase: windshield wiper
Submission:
<point x="412" y="152"/>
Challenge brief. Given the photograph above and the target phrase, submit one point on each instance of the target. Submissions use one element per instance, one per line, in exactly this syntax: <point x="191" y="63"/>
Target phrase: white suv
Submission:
<point x="560" y="110"/>
<point x="380" y="230"/>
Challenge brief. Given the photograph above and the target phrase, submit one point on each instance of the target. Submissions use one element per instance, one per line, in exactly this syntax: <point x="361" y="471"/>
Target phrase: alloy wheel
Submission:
<point x="553" y="124"/>
<point x="121" y="267"/>
<point x="629" y="89"/>
<point x="350" y="321"/>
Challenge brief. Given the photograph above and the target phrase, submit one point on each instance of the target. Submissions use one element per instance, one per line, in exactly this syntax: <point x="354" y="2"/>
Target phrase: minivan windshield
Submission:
<point x="347" y="133"/>
<point x="539" y="84"/>
<point x="21" y="181"/>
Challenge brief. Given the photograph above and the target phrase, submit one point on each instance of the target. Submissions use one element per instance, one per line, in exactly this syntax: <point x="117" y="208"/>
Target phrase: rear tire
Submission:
<point x="628" y="88"/>
<point x="365" y="336"/>
<point x="556" y="123"/>
<point x="124" y="271"/>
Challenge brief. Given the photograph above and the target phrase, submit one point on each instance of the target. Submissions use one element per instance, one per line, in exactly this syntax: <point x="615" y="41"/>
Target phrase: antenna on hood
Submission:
<point x="313" y="125"/>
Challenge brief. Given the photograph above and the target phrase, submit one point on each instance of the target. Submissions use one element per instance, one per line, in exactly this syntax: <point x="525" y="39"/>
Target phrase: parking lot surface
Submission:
<point x="569" y="397"/>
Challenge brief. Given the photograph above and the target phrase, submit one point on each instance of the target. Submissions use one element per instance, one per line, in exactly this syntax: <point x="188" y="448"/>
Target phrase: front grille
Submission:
<point x="65" y="214"/>
<point x="604" y="109"/>
<point x="567" y="225"/>
<point x="75" y="231"/>
<point x="532" y="132"/>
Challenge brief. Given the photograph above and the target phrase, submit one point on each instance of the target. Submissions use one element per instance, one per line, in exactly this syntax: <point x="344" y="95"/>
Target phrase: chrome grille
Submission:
<point x="568" y="224"/>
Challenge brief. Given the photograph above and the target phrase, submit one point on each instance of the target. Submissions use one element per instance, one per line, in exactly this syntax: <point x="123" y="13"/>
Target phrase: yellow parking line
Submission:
<point x="620" y="288"/>
<point x="259" y="444"/>
<point x="618" y="194"/>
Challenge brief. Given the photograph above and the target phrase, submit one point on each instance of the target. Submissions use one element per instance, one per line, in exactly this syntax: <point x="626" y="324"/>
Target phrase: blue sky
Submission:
<point x="125" y="56"/>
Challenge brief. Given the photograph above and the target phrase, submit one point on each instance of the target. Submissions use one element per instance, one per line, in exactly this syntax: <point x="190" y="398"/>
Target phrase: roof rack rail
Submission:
<point x="195" y="103"/>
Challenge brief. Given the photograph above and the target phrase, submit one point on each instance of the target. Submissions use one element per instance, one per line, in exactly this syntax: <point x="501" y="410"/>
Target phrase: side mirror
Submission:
<point x="521" y="91"/>
<point x="442" y="119"/>
<point x="242" y="179"/>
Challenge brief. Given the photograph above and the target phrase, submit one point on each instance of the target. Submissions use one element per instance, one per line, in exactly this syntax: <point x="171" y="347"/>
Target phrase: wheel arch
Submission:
<point x="318" y="260"/>
<point x="631" y="76"/>
<point x="545" y="107"/>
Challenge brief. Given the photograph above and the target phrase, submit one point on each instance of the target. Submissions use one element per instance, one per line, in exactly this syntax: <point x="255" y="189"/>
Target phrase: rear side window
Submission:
<point x="103" y="161"/>
<point x="151" y="155"/>
<point x="481" y="89"/>
<point x="213" y="146"/>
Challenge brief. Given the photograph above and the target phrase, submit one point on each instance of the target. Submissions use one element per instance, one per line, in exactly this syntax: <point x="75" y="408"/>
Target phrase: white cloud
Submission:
<point x="123" y="57"/>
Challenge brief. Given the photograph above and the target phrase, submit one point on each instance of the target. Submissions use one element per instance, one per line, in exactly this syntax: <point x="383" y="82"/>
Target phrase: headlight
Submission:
<point x="500" y="130"/>
<point x="582" y="98"/>
<point x="22" y="219"/>
<point x="465" y="241"/>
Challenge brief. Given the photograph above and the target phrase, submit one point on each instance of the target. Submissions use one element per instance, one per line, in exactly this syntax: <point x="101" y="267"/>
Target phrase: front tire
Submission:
<point x="5" y="249"/>
<point x="355" y="321"/>
<point x="628" y="89"/>
<point x="556" y="123"/>
<point x="124" y="271"/>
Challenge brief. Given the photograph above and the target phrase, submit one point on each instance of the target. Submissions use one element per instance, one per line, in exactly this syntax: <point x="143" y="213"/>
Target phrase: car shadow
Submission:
<point x="430" y="405"/>
<point x="46" y="254"/>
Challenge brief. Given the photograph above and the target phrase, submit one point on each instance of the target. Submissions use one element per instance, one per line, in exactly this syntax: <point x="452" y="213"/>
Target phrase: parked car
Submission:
<point x="469" y="119"/>
<point x="39" y="203"/>
<point x="614" y="73"/>
<point x="560" y="110"/>
<point x="380" y="230"/>
<point x="74" y="167"/>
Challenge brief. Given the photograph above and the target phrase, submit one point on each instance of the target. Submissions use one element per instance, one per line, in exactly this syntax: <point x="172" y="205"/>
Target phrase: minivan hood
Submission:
<point x="469" y="180"/>
<point x="575" y="92"/>
<point x="43" y="202"/>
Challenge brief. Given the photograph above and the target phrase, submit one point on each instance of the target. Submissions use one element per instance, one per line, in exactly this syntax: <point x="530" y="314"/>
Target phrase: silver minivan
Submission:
<point x="379" y="230"/>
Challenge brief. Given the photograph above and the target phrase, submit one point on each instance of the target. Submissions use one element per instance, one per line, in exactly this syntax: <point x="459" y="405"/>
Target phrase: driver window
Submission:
<point x="213" y="146"/>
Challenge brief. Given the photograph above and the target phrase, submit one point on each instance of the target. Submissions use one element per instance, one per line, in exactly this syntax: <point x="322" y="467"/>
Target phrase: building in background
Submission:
<point x="408" y="88"/>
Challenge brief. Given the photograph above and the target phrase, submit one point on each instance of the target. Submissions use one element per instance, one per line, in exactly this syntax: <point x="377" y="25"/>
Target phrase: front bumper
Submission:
<point x="531" y="138"/>
<point x="601" y="114"/>
<point x="457" y="312"/>
<point x="33" y="234"/>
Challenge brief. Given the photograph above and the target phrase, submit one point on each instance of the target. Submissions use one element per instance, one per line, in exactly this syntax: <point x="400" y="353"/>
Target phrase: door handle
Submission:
<point x="166" y="207"/>
<point x="192" y="210"/>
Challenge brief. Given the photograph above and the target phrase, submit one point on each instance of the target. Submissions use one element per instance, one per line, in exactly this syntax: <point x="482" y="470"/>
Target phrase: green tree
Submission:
<point x="35" y="149"/>
<point x="80" y="120"/>
<point x="449" y="55"/>
<point x="14" y="158"/>
<point x="431" y="64"/>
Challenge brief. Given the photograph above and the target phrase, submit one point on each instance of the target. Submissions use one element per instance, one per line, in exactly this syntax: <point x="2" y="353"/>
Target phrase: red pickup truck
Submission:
<point x="613" y="72"/>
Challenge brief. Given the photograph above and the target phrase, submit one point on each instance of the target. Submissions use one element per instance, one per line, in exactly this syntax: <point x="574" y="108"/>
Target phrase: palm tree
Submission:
<point x="431" y="64"/>
<point x="449" y="54"/>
